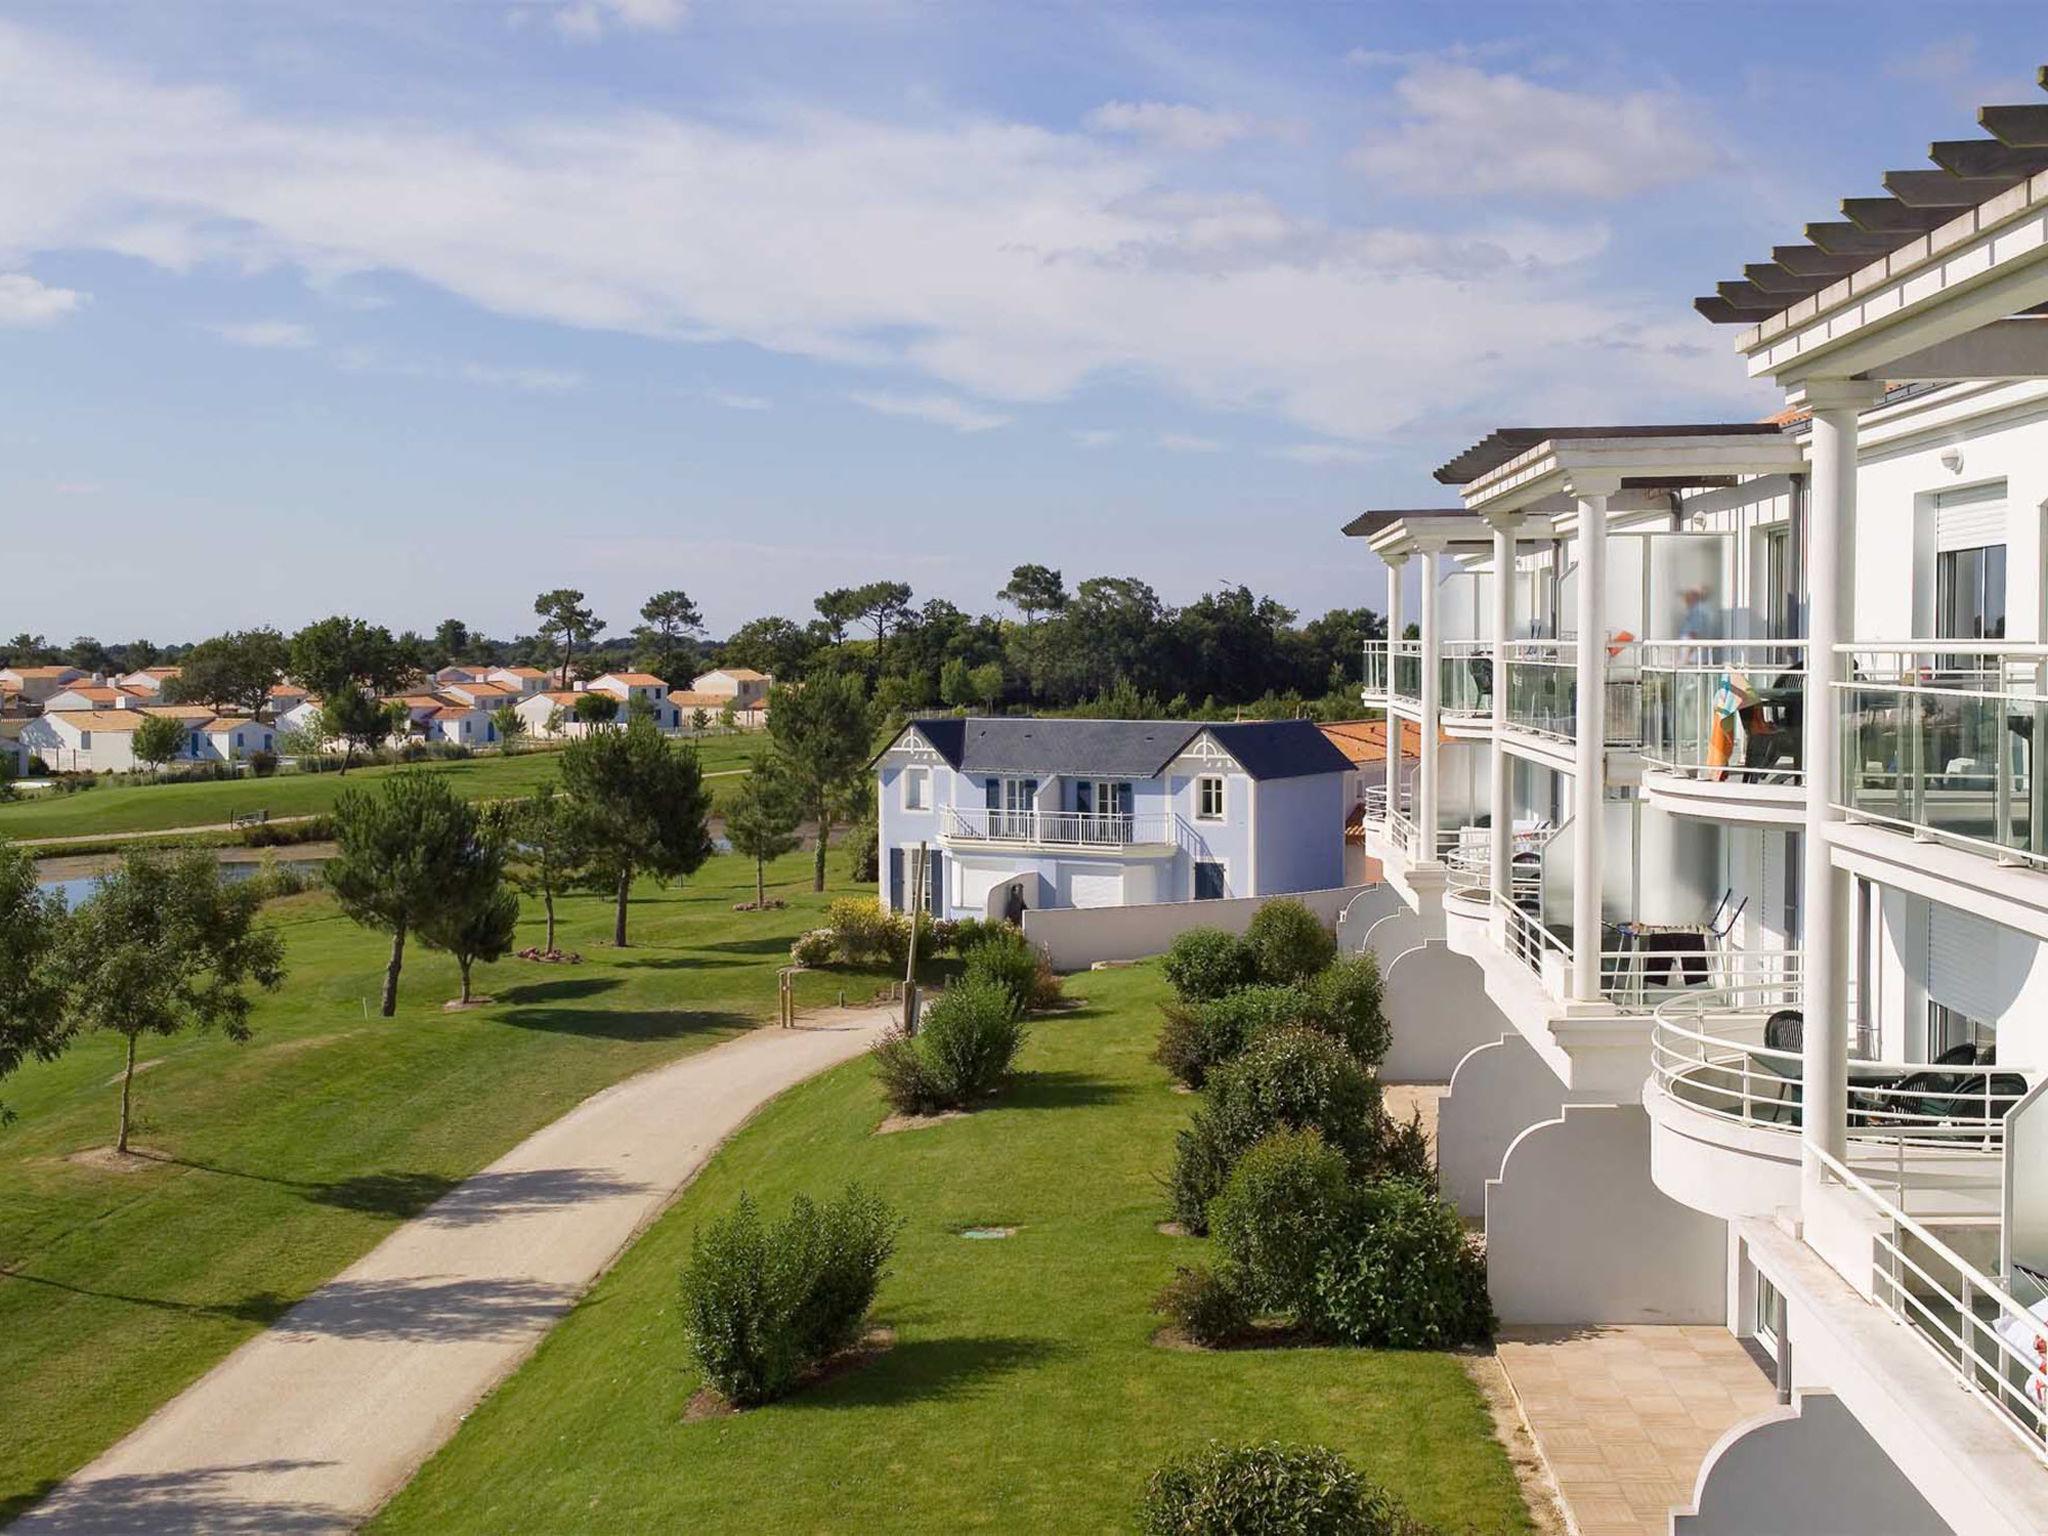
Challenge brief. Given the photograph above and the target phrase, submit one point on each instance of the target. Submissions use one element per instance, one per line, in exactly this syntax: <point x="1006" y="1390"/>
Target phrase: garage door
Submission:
<point x="1092" y="888"/>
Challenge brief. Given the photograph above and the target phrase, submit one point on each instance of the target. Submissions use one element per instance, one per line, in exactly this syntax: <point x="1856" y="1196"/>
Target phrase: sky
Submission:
<point x="411" y="310"/>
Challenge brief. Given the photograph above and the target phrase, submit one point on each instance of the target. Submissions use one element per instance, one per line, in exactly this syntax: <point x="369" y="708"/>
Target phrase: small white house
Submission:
<point x="645" y="687"/>
<point x="231" y="740"/>
<point x="149" y="680"/>
<point x="481" y="695"/>
<point x="97" y="740"/>
<point x="76" y="696"/>
<point x="743" y="685"/>
<point x="34" y="685"/>
<point x="557" y="704"/>
<point x="521" y="680"/>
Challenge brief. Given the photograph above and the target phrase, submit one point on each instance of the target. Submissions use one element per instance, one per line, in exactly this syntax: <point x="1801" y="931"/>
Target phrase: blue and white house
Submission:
<point x="1017" y="812"/>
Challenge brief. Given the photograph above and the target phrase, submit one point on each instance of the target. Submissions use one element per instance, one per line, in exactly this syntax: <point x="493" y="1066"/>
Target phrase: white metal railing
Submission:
<point x="1081" y="829"/>
<point x="1543" y="689"/>
<point x="1698" y="965"/>
<point x="1529" y="941"/>
<point x="1946" y="738"/>
<point x="1374" y="686"/>
<point x="1375" y="802"/>
<point x="1997" y="1345"/>
<point x="1407" y="668"/>
<point x="1725" y="709"/>
<point x="1468" y="864"/>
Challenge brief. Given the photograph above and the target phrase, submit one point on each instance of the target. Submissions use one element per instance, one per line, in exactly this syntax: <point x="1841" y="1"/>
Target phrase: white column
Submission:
<point x="1432" y="706"/>
<point x="1823" y="889"/>
<point x="1501" y="845"/>
<point x="1589" y="777"/>
<point x="1394" y="622"/>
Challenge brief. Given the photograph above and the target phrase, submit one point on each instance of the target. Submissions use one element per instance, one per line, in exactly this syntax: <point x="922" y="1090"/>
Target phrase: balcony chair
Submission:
<point x="1481" y="670"/>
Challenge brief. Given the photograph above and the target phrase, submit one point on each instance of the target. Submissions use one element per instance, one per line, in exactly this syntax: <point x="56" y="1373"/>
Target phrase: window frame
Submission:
<point x="919" y="773"/>
<point x="1202" y="784"/>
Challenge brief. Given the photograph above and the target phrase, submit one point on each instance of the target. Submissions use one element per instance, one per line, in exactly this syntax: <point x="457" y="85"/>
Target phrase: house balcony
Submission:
<point x="1393" y="677"/>
<point x="1406" y="663"/>
<point x="1722" y="728"/>
<point x="1373" y="691"/>
<point x="1944" y="740"/>
<point x="1064" y="831"/>
<point x="1543" y="692"/>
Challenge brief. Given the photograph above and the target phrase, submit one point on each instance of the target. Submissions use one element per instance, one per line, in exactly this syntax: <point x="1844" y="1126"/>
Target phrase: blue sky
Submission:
<point x="416" y="312"/>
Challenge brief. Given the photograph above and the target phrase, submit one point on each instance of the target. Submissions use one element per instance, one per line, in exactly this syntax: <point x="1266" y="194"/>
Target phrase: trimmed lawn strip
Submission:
<point x="112" y="809"/>
<point x="292" y="1155"/>
<point x="1024" y="1391"/>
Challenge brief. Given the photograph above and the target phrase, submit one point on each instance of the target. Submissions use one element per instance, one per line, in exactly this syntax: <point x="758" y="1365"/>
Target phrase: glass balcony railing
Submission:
<point x="1948" y="742"/>
<point x="1465" y="677"/>
<point x="1725" y="710"/>
<point x="1374" y="689"/>
<point x="1407" y="662"/>
<point x="1543" y="690"/>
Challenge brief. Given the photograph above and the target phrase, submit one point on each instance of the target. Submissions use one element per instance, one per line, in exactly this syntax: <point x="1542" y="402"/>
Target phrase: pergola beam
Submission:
<point x="1939" y="189"/>
<point x="1987" y="157"/>
<point x="2022" y="127"/>
<point x="2005" y="349"/>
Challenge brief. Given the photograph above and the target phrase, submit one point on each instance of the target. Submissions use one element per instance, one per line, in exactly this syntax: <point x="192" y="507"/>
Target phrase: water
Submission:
<point x="77" y="888"/>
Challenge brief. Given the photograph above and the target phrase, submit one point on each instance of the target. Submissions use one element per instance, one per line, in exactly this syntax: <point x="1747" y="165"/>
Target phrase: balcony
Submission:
<point x="1058" y="829"/>
<point x="1946" y="743"/>
<point x="1723" y="727"/>
<point x="1465" y="678"/>
<point x="1543" y="690"/>
<point x="1407" y="665"/>
<point x="1374" y="688"/>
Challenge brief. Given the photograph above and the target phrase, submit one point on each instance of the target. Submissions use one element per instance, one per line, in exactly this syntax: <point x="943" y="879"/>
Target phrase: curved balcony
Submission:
<point x="1725" y="1099"/>
<point x="1722" y="728"/>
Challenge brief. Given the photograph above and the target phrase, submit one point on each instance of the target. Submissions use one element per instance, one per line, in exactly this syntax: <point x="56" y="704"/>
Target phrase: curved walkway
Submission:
<point x="314" y="1423"/>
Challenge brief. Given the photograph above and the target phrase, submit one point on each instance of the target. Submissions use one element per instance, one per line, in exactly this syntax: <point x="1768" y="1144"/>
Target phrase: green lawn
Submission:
<point x="105" y="809"/>
<point x="288" y="1157"/>
<point x="1023" y="1393"/>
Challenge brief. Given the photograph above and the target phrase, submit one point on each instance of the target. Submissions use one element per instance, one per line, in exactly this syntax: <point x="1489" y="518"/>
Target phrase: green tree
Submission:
<point x="1035" y="589"/>
<point x="839" y="608"/>
<point x="728" y="717"/>
<point x="231" y="671"/>
<point x="669" y="615"/>
<point x="882" y="604"/>
<point x="639" y="807"/>
<point x="543" y="857"/>
<point x="360" y="722"/>
<point x="820" y="729"/>
<point x="32" y="1019"/>
<point x="698" y="720"/>
<point x="777" y="646"/>
<point x="566" y="622"/>
<point x="762" y="819"/>
<point x="597" y="707"/>
<point x="985" y="685"/>
<point x="158" y="739"/>
<point x="481" y="926"/>
<point x="956" y="683"/>
<point x="339" y="655"/>
<point x="511" y="725"/>
<point x="165" y="945"/>
<point x="451" y="640"/>
<point x="410" y="853"/>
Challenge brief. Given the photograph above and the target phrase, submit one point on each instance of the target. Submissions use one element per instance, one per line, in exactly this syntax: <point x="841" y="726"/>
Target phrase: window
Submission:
<point x="916" y="789"/>
<point x="1208" y="880"/>
<point x="1209" y="798"/>
<point x="1951" y="1030"/>
<point x="85" y="741"/>
<point x="1969" y="593"/>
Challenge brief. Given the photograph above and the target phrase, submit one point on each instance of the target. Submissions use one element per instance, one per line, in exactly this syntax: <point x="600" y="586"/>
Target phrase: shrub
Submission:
<point x="862" y="930"/>
<point x="1205" y="963"/>
<point x="762" y="1304"/>
<point x="1207" y="1306"/>
<point x="1288" y="943"/>
<point x="1292" y="1078"/>
<point x="266" y="834"/>
<point x="1400" y="1273"/>
<point x="1275" y="1213"/>
<point x="1003" y="957"/>
<point x="814" y="948"/>
<point x="263" y="762"/>
<point x="1268" y="1490"/>
<point x="965" y="1045"/>
<point x="965" y="932"/>
<point x="1344" y="1002"/>
<point x="1197" y="1038"/>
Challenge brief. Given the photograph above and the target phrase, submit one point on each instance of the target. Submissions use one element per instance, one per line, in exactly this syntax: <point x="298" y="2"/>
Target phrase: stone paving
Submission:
<point x="1625" y="1415"/>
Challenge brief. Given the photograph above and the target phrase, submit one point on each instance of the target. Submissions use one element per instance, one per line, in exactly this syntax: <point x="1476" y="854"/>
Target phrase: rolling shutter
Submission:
<point x="1085" y="888"/>
<point x="1962" y="963"/>
<point x="1970" y="518"/>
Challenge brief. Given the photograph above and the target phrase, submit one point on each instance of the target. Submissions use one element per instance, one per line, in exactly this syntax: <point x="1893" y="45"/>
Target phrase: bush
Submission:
<point x="965" y="1045"/>
<point x="1288" y="943"/>
<point x="262" y="762"/>
<point x="1291" y="1078"/>
<point x="1003" y="957"/>
<point x="266" y="834"/>
<point x="1200" y="1037"/>
<point x="1206" y="1306"/>
<point x="864" y="932"/>
<point x="762" y="1304"/>
<point x="814" y="948"/>
<point x="1275" y="1214"/>
<point x="1344" y="1002"/>
<point x="1268" y="1490"/>
<point x="1400" y="1273"/>
<point x="1205" y="963"/>
<point x="963" y="933"/>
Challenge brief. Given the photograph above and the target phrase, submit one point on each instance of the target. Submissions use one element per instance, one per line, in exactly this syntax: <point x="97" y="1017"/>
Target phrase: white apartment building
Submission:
<point x="1717" y="887"/>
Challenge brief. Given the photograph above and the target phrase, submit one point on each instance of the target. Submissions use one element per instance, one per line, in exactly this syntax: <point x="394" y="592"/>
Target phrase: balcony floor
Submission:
<point x="1625" y="1415"/>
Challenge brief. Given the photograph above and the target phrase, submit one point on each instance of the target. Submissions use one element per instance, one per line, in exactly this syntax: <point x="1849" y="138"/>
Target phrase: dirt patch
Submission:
<point x="710" y="1403"/>
<point x="457" y="1005"/>
<point x="308" y="1043"/>
<point x="1171" y="1229"/>
<point x="549" y="956"/>
<point x="1184" y="1088"/>
<point x="1532" y="1473"/>
<point x="1405" y="1101"/>
<point x="986" y="1234"/>
<point x="140" y="1068"/>
<point x="1264" y="1333"/>
<point x="107" y="1160"/>
<point x="895" y="1123"/>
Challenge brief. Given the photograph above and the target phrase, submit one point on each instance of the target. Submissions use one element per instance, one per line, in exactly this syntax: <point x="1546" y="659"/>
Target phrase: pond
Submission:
<point x="76" y="888"/>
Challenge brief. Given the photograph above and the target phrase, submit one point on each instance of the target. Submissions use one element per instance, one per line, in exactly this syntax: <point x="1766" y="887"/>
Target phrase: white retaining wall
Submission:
<point x="1077" y="937"/>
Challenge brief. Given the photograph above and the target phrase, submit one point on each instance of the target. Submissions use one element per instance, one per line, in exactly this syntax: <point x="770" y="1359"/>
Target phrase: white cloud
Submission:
<point x="737" y="402"/>
<point x="547" y="381"/>
<point x="24" y="301"/>
<point x="939" y="410"/>
<point x="1187" y="442"/>
<point x="267" y="335"/>
<point x="1095" y="437"/>
<point x="988" y="259"/>
<point x="587" y="20"/>
<point x="1466" y="133"/>
<point x="1320" y="454"/>
<point x="1173" y="125"/>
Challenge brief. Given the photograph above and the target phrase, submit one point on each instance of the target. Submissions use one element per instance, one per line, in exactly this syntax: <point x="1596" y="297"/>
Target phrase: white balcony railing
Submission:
<point x="1730" y="710"/>
<point x="1374" y="687"/>
<point x="1468" y="864"/>
<point x="1543" y="690"/>
<point x="1059" y="829"/>
<point x="1407" y="668"/>
<point x="1946" y="738"/>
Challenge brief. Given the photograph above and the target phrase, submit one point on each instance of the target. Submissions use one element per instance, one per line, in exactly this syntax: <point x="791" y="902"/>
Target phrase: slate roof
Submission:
<point x="1124" y="749"/>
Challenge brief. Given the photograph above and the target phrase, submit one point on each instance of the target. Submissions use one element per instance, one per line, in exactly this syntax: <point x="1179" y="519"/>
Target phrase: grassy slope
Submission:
<point x="297" y="1152"/>
<point x="1023" y="1392"/>
<point x="155" y="807"/>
